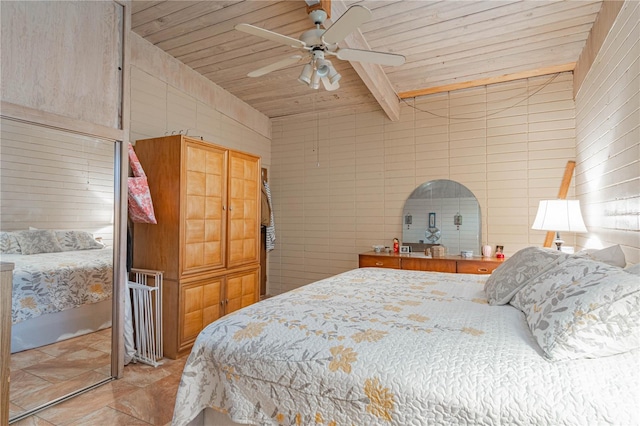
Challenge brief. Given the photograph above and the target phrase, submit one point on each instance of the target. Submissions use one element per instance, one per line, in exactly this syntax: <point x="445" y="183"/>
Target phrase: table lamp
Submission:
<point x="559" y="215"/>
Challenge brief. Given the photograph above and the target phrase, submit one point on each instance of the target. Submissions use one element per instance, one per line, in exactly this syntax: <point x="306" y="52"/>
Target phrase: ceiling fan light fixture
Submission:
<point x="330" y="87"/>
<point x="306" y="74"/>
<point x="319" y="42"/>
<point x="322" y="67"/>
<point x="333" y="75"/>
<point x="315" y="80"/>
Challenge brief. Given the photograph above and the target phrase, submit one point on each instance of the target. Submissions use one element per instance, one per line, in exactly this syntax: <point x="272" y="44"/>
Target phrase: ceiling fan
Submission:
<point x="319" y="43"/>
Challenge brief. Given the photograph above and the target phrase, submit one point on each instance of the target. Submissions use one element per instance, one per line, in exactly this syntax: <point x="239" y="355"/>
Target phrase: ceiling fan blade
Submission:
<point x="270" y="35"/>
<point x="371" y="56"/>
<point x="275" y="66"/>
<point x="328" y="86"/>
<point x="349" y="21"/>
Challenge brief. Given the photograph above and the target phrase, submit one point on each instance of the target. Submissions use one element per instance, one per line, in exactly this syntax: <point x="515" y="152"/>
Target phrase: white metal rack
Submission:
<point x="146" y="296"/>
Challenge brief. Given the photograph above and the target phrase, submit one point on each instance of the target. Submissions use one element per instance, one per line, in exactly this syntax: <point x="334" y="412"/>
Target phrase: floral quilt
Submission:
<point x="380" y="346"/>
<point x="52" y="282"/>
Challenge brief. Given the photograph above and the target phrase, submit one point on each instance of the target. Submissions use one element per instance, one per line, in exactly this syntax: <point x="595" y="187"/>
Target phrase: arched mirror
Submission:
<point x="442" y="212"/>
<point x="59" y="228"/>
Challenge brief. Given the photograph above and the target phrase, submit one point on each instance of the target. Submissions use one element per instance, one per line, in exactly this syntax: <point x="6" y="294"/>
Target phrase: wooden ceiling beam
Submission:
<point x="372" y="75"/>
<point x="322" y="4"/>
<point x="489" y="80"/>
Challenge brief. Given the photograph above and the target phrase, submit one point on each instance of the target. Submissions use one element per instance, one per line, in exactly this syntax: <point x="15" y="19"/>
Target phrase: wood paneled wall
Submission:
<point x="339" y="181"/>
<point x="51" y="179"/>
<point x="608" y="139"/>
<point x="159" y="109"/>
<point x="168" y="97"/>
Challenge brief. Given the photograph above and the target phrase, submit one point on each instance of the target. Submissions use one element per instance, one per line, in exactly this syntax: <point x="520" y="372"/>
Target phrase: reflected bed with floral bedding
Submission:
<point x="62" y="285"/>
<point x="46" y="283"/>
<point x="381" y="346"/>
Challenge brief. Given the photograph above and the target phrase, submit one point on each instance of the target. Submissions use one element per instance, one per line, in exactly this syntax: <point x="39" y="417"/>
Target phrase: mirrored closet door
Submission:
<point x="59" y="227"/>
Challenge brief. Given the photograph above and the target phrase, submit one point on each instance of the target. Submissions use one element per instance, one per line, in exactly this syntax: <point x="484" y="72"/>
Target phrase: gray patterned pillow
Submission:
<point x="38" y="241"/>
<point x="77" y="240"/>
<point x="519" y="270"/>
<point x="583" y="309"/>
<point x="9" y="243"/>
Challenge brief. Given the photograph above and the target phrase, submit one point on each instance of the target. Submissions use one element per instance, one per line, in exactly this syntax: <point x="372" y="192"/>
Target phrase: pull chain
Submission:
<point x="317" y="133"/>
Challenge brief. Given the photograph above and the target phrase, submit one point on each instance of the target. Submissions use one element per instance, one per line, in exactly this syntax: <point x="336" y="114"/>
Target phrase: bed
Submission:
<point x="62" y="285"/>
<point x="381" y="346"/>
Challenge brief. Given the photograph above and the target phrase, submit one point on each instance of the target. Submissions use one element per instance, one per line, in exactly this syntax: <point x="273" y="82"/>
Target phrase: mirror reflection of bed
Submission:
<point x="56" y="227"/>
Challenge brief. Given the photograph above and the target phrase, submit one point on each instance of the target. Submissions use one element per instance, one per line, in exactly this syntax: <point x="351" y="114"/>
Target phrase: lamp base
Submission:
<point x="558" y="241"/>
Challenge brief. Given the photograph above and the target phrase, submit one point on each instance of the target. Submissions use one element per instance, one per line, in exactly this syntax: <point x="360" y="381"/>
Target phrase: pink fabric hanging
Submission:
<point x="140" y="203"/>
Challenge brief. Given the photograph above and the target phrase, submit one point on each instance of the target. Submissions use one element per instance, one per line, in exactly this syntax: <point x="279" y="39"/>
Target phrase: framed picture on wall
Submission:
<point x="432" y="220"/>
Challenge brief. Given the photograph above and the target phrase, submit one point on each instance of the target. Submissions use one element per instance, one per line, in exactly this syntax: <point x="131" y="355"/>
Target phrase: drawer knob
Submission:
<point x="483" y="269"/>
<point x="379" y="263"/>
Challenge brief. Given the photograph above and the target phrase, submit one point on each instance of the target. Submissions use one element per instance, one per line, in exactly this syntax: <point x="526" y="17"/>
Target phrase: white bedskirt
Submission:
<point x="58" y="326"/>
<point x="211" y="417"/>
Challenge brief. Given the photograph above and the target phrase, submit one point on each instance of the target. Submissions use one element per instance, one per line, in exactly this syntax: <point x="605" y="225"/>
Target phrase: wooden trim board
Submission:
<point x="562" y="194"/>
<point x="490" y="80"/>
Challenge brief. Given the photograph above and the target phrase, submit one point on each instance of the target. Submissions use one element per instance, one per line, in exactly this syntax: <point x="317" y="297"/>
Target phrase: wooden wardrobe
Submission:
<point x="206" y="200"/>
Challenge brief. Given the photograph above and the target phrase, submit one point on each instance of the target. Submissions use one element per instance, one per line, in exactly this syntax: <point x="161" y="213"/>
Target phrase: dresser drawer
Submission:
<point x="476" y="267"/>
<point x="379" y="262"/>
<point x="431" y="265"/>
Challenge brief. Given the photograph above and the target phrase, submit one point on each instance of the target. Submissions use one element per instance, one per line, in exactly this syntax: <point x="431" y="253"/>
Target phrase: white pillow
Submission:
<point x="612" y="255"/>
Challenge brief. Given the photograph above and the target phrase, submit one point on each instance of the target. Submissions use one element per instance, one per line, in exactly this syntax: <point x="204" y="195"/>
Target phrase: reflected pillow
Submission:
<point x="9" y="243"/>
<point x="77" y="240"/>
<point x="518" y="270"/>
<point x="583" y="309"/>
<point x="38" y="241"/>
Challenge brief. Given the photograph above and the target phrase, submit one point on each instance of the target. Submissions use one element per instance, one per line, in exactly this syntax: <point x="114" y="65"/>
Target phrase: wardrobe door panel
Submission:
<point x="192" y="311"/>
<point x="200" y="306"/>
<point x="204" y="207"/>
<point x="244" y="195"/>
<point x="242" y="289"/>
<point x="212" y="294"/>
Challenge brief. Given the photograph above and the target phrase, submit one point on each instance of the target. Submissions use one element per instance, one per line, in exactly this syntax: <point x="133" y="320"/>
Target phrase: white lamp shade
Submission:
<point x="559" y="215"/>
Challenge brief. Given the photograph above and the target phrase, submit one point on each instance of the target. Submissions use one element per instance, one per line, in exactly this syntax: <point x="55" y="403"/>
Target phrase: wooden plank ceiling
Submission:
<point x="448" y="44"/>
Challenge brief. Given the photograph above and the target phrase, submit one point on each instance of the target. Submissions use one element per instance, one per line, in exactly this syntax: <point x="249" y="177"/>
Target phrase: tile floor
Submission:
<point x="144" y="396"/>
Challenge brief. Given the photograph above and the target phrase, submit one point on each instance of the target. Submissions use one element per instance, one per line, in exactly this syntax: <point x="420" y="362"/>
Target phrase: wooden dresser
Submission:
<point x="420" y="262"/>
<point x="206" y="200"/>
